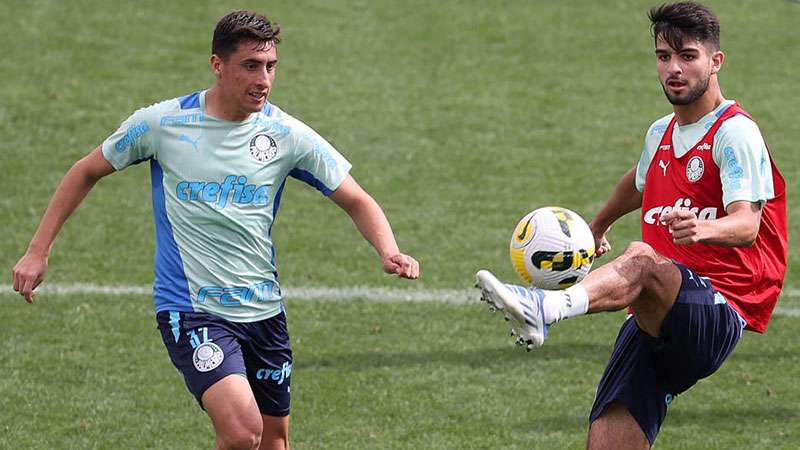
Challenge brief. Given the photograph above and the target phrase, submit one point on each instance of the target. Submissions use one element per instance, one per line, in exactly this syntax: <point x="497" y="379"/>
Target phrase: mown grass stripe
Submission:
<point x="455" y="296"/>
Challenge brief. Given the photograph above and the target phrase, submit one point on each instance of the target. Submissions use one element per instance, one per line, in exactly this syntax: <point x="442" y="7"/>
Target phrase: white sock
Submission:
<point x="559" y="305"/>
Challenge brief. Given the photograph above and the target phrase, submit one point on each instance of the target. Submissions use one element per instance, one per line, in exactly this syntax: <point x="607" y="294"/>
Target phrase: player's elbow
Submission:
<point x="750" y="240"/>
<point x="748" y="235"/>
<point x="361" y="205"/>
<point x="91" y="168"/>
<point x="81" y="172"/>
<point x="353" y="202"/>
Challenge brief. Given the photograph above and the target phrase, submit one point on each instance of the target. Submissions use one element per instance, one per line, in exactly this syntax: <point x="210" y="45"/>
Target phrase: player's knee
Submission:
<point x="644" y="258"/>
<point x="641" y="252"/>
<point x="241" y="438"/>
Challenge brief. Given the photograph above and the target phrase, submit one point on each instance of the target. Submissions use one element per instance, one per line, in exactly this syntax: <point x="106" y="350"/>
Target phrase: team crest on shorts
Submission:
<point x="207" y="357"/>
<point x="263" y="147"/>
<point x="695" y="168"/>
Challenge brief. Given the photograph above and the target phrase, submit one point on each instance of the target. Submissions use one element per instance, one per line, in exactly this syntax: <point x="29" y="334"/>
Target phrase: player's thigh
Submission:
<point x="616" y="429"/>
<point x="207" y="352"/>
<point x="233" y="410"/>
<point x="275" y="434"/>
<point x="267" y="355"/>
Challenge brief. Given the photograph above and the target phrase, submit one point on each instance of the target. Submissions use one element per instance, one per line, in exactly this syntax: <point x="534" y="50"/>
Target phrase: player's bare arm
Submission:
<point x="79" y="180"/>
<point x="373" y="225"/>
<point x="624" y="199"/>
<point x="739" y="228"/>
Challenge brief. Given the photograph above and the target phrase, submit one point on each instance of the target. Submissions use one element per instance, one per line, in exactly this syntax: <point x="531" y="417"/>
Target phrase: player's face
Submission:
<point x="685" y="73"/>
<point x="245" y="78"/>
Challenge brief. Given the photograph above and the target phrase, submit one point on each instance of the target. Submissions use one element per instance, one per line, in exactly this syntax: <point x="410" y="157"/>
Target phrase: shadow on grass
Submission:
<point x="727" y="418"/>
<point x="478" y="357"/>
<point x="772" y="356"/>
<point x="560" y="423"/>
<point x="730" y="417"/>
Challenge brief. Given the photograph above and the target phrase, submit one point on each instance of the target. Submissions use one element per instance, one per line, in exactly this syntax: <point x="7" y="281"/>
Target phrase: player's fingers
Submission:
<point x="603" y="248"/>
<point x="27" y="290"/>
<point x="683" y="241"/>
<point x="391" y="266"/>
<point x="688" y="226"/>
<point x="408" y="267"/>
<point x="413" y="269"/>
<point x="670" y="216"/>
<point x="16" y="280"/>
<point x="684" y="237"/>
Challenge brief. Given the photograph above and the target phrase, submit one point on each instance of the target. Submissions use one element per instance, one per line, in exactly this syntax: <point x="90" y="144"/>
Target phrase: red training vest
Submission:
<point x="750" y="278"/>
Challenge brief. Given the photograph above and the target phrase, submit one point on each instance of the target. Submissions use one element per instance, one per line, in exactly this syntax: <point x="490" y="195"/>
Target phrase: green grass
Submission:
<point x="86" y="372"/>
<point x="459" y="117"/>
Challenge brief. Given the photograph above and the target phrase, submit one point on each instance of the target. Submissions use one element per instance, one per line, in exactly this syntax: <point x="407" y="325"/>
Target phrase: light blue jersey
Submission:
<point x="217" y="187"/>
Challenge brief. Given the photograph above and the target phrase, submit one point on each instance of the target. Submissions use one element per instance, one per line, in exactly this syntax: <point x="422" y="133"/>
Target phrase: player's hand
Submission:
<point x="401" y="265"/>
<point x="28" y="273"/>
<point x="684" y="225"/>
<point x="601" y="244"/>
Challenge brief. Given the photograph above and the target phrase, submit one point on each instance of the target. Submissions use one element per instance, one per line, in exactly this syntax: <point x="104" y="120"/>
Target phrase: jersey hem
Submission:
<point x="255" y="318"/>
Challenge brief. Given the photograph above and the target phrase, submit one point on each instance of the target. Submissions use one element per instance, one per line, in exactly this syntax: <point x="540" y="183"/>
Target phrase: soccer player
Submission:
<point x="715" y="244"/>
<point x="219" y="159"/>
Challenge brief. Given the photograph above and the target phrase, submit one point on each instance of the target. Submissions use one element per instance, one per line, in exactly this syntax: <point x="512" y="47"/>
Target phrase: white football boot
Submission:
<point x="521" y="306"/>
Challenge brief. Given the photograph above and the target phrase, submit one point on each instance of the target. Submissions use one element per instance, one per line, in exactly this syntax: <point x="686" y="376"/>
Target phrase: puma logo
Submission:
<point x="185" y="138"/>
<point x="663" y="166"/>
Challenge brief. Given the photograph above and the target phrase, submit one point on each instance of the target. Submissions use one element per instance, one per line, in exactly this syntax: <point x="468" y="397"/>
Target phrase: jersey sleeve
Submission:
<point x="651" y="141"/>
<point x="134" y="140"/>
<point x="318" y="163"/>
<point x="743" y="160"/>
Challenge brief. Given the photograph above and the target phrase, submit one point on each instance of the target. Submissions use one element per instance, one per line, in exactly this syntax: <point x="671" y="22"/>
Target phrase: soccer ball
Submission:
<point x="552" y="248"/>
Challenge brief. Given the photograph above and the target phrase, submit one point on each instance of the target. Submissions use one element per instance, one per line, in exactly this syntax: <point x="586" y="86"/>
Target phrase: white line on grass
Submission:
<point x="456" y="296"/>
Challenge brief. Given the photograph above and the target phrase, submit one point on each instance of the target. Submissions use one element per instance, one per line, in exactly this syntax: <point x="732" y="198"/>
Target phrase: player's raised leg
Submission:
<point x="233" y="410"/>
<point x="639" y="278"/>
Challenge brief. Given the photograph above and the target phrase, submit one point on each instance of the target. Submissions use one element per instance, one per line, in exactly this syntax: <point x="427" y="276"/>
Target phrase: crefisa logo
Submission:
<point x="263" y="147"/>
<point x="703" y="213"/>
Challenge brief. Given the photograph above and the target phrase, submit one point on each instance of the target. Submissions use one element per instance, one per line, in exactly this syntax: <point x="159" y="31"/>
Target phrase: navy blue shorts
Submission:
<point x="206" y="348"/>
<point x="646" y="373"/>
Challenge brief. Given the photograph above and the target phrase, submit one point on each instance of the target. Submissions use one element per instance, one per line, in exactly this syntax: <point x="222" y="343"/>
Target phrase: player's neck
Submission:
<point x="691" y="113"/>
<point x="217" y="107"/>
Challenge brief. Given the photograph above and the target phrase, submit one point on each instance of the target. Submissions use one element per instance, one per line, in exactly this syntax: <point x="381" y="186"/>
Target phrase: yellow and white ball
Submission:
<point x="552" y="248"/>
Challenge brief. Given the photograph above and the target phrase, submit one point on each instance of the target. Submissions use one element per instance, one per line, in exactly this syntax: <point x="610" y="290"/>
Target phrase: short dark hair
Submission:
<point x="243" y="26"/>
<point x="678" y="21"/>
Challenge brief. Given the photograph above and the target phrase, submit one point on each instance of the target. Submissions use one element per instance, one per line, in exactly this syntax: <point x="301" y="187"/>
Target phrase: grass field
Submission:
<point x="459" y="117"/>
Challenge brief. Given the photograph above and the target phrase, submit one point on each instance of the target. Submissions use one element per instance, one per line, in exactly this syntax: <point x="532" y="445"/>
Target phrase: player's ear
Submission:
<point x="216" y="65"/>
<point x="717" y="58"/>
